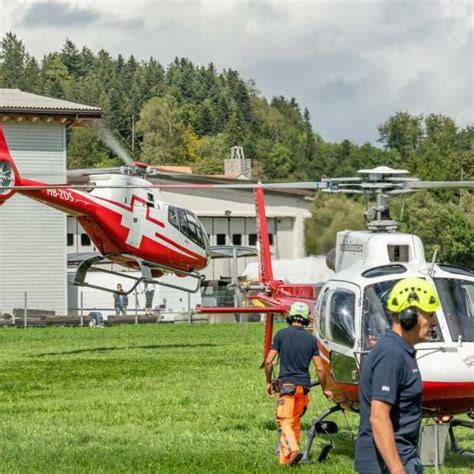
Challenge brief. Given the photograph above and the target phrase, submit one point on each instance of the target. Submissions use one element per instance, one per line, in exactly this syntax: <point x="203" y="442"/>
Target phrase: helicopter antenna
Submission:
<point x="433" y="261"/>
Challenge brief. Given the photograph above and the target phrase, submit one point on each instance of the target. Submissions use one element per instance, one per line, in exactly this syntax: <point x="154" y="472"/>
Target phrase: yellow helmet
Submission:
<point x="413" y="292"/>
<point x="299" y="311"/>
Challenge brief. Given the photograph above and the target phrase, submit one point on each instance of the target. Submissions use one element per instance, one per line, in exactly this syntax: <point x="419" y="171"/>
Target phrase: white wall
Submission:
<point x="33" y="236"/>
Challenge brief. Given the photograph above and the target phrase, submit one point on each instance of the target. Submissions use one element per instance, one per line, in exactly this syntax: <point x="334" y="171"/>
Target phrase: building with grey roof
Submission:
<point x="33" y="236"/>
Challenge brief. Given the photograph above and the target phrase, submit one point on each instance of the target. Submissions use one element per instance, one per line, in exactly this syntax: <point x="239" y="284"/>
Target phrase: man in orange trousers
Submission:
<point x="296" y="348"/>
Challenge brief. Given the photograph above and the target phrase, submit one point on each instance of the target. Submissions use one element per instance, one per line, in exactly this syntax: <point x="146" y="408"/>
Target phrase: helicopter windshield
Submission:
<point x="376" y="319"/>
<point x="188" y="224"/>
<point x="457" y="300"/>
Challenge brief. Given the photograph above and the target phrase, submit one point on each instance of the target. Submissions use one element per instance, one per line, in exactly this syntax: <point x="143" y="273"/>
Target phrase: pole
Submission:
<point x="133" y="133"/>
<point x="81" y="308"/>
<point x="190" y="313"/>
<point x="268" y="334"/>
<point x="25" y="311"/>
<point x="136" y="307"/>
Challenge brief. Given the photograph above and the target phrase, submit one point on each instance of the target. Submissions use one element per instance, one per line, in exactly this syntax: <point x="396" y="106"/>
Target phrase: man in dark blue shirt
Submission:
<point x="391" y="387"/>
<point x="296" y="348"/>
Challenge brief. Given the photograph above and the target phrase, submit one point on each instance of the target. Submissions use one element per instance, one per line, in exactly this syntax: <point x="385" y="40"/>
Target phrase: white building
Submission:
<point x="33" y="236"/>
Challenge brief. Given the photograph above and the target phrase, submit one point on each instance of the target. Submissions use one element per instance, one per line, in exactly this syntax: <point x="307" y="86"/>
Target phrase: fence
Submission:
<point x="24" y="311"/>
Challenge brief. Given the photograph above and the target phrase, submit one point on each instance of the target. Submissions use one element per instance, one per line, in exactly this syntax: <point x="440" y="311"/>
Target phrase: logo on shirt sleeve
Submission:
<point x="385" y="388"/>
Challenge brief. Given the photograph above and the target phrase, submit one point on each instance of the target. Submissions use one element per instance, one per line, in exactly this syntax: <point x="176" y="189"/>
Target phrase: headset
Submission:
<point x="409" y="316"/>
<point x="296" y="317"/>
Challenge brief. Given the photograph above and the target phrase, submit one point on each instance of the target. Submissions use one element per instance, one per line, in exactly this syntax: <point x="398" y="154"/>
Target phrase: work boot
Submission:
<point x="295" y="458"/>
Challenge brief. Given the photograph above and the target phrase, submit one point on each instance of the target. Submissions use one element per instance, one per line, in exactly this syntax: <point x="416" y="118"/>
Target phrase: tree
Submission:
<point x="85" y="150"/>
<point x="56" y="79"/>
<point x="164" y="140"/>
<point x="331" y="214"/>
<point x="71" y="58"/>
<point x="212" y="151"/>
<point x="440" y="225"/>
<point x="12" y="62"/>
<point x="402" y="132"/>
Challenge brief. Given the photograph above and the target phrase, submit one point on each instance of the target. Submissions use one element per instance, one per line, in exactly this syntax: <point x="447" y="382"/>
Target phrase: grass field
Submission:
<point x="151" y="398"/>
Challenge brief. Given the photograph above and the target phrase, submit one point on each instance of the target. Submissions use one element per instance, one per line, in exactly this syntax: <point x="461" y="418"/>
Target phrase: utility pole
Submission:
<point x="133" y="133"/>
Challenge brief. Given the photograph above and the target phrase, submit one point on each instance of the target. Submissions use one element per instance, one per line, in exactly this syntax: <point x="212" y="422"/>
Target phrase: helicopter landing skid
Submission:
<point x="455" y="448"/>
<point x="313" y="432"/>
<point x="145" y="270"/>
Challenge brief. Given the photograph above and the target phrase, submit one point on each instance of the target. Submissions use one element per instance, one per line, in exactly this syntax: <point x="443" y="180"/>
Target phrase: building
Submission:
<point x="33" y="236"/>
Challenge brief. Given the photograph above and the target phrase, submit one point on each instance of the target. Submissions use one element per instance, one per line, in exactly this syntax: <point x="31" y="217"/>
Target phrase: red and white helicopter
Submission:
<point x="129" y="224"/>
<point x="124" y="217"/>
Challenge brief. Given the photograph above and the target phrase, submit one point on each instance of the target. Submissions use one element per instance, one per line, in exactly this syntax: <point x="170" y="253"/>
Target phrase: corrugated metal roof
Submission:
<point x="15" y="100"/>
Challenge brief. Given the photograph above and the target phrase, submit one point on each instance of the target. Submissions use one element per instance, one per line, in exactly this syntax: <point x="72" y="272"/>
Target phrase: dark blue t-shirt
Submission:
<point x="390" y="374"/>
<point x="296" y="348"/>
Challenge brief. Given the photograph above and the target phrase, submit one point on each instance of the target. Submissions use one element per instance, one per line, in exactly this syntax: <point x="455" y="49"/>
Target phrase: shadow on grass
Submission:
<point x="123" y="348"/>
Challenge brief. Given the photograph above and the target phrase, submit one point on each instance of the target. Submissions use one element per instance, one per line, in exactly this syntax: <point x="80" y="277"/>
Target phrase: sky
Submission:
<point x="353" y="64"/>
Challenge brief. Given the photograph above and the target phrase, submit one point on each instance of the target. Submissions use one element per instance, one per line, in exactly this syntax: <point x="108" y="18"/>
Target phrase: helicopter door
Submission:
<point x="341" y="331"/>
<point x="136" y="226"/>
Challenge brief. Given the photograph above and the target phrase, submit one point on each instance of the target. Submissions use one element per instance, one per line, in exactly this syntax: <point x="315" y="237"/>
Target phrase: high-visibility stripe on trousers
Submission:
<point x="289" y="410"/>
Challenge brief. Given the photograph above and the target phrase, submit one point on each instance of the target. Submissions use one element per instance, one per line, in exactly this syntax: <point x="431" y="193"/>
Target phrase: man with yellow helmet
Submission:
<point x="390" y="384"/>
<point x="296" y="348"/>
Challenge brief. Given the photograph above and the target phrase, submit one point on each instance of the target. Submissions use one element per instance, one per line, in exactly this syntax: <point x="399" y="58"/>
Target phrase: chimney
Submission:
<point x="237" y="166"/>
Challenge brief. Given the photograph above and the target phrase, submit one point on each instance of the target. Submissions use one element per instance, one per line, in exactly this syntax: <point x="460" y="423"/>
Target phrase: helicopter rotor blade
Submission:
<point x="439" y="184"/>
<point x="303" y="185"/>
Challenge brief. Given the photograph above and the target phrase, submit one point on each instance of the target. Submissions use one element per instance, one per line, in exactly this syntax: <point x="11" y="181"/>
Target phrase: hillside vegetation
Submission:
<point x="188" y="114"/>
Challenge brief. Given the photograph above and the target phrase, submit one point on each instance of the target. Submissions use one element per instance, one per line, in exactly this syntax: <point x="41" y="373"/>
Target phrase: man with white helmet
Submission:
<point x="391" y="387"/>
<point x="296" y="348"/>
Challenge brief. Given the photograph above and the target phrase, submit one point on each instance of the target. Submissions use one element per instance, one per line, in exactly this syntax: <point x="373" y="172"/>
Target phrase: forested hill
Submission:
<point x="190" y="114"/>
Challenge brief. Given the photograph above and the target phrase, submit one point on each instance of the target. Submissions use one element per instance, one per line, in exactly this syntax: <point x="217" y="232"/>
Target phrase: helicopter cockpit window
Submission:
<point x="376" y="319"/>
<point x="342" y="314"/>
<point x="173" y="217"/>
<point x="321" y="313"/>
<point x="191" y="227"/>
<point x="457" y="300"/>
<point x="384" y="270"/>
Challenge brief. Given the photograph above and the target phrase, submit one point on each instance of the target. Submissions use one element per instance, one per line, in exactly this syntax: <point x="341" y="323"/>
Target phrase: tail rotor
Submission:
<point x="9" y="176"/>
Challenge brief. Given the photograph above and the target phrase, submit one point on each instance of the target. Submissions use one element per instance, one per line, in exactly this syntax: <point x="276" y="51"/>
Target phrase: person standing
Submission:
<point x="391" y="387"/>
<point x="120" y="301"/>
<point x="149" y="295"/>
<point x="296" y="348"/>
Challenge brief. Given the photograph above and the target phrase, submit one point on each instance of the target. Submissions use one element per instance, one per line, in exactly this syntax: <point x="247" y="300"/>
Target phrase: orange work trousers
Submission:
<point x="289" y="410"/>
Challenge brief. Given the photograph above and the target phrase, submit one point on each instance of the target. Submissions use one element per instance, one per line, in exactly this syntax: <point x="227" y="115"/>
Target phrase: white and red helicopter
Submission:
<point x="129" y="224"/>
<point x="349" y="309"/>
<point x="124" y="217"/>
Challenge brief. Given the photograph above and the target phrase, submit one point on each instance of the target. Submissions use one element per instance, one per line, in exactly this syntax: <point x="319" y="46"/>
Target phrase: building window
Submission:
<point x="220" y="239"/>
<point x="253" y="240"/>
<point x="237" y="239"/>
<point x="270" y="238"/>
<point x="70" y="240"/>
<point x="85" y="240"/>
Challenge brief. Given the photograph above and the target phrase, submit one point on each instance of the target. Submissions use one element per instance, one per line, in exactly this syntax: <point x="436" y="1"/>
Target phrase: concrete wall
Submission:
<point x="33" y="236"/>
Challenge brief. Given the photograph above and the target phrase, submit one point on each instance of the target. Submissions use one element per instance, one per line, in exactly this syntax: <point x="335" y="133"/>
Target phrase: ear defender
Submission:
<point x="409" y="318"/>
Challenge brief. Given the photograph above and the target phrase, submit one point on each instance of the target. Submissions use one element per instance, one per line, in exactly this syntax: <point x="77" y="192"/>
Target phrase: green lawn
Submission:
<point x="150" y="398"/>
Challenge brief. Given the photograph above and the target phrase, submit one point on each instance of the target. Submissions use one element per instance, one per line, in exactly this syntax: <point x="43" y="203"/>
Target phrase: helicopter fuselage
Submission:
<point x="131" y="221"/>
<point x="350" y="316"/>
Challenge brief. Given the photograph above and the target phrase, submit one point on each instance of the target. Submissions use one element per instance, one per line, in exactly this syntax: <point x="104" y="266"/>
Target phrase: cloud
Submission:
<point x="352" y="64"/>
<point x="58" y="15"/>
